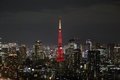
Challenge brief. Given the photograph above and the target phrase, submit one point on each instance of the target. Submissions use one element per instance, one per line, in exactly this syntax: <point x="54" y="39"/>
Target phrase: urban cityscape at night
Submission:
<point x="73" y="61"/>
<point x="59" y="40"/>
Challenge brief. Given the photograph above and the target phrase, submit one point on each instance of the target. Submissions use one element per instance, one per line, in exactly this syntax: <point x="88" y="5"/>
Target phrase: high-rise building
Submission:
<point x="72" y="54"/>
<point x="39" y="50"/>
<point x="94" y="65"/>
<point x="111" y="54"/>
<point x="88" y="44"/>
<point x="117" y="54"/>
<point x="23" y="50"/>
<point x="12" y="49"/>
<point x="60" y="52"/>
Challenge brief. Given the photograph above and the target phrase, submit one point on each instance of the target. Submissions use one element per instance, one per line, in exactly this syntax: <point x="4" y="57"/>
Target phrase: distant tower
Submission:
<point x="60" y="54"/>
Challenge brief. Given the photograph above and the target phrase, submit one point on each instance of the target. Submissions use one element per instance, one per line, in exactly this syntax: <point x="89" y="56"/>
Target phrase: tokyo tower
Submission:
<point x="60" y="53"/>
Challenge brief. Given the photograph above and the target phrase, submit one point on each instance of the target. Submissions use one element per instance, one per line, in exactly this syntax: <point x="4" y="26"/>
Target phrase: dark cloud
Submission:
<point x="28" y="20"/>
<point x="38" y="5"/>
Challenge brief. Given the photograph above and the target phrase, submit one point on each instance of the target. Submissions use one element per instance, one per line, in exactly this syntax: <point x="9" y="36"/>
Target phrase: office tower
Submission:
<point x="22" y="52"/>
<point x="111" y="54"/>
<point x="94" y="65"/>
<point x="39" y="50"/>
<point x="117" y="54"/>
<point x="88" y="44"/>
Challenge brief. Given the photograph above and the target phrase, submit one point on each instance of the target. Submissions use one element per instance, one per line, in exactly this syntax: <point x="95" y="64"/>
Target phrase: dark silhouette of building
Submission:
<point x="38" y="50"/>
<point x="23" y="52"/>
<point x="94" y="65"/>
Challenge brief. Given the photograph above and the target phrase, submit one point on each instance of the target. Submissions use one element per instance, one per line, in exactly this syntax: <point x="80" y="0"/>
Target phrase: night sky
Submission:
<point x="25" y="21"/>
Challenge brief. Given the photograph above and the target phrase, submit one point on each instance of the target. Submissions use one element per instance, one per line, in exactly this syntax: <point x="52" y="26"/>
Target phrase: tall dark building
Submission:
<point x="94" y="65"/>
<point x="111" y="54"/>
<point x="23" y="52"/>
<point x="39" y="50"/>
<point x="88" y="44"/>
<point x="73" y="56"/>
<point x="117" y="54"/>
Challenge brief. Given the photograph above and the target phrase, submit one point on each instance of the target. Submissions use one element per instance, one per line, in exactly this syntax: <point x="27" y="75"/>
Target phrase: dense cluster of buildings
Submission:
<point x="74" y="61"/>
<point x="88" y="61"/>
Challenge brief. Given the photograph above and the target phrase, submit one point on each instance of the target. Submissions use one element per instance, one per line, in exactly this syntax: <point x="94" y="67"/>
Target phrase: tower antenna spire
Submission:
<point x="60" y="26"/>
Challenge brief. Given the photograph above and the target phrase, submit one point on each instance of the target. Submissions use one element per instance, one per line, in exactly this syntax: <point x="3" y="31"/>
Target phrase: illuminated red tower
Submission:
<point x="60" y="53"/>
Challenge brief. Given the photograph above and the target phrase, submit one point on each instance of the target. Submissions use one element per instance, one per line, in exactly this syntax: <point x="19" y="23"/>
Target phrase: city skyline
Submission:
<point x="28" y="21"/>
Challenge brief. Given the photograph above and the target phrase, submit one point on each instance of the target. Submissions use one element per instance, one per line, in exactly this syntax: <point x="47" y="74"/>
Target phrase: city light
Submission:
<point x="74" y="60"/>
